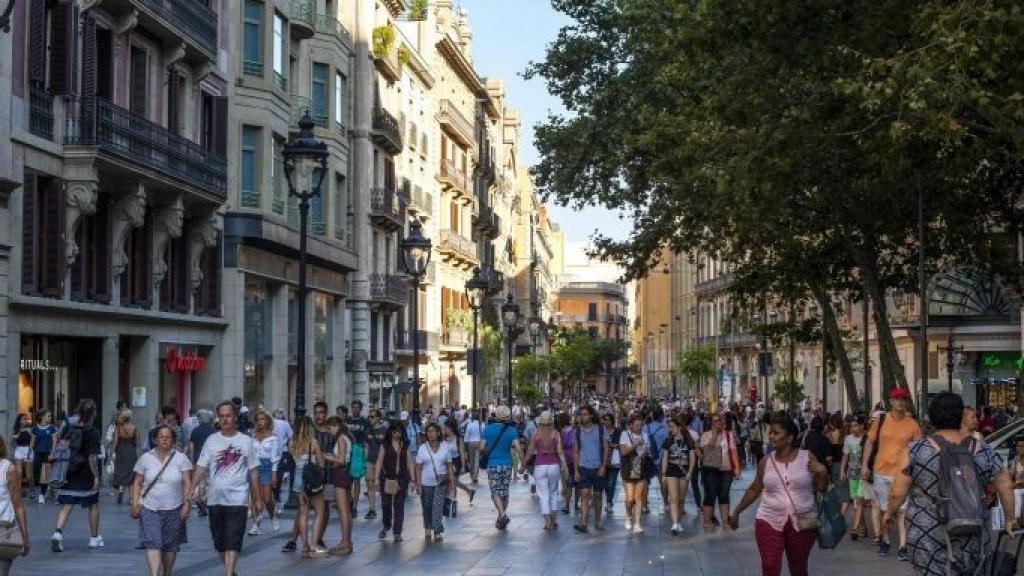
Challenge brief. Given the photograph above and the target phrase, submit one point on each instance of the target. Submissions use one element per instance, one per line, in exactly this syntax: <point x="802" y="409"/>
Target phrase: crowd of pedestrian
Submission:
<point x="240" y="467"/>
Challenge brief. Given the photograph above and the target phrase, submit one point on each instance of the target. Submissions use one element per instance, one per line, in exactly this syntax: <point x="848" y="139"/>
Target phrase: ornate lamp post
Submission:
<point x="415" y="258"/>
<point x="510" y="315"/>
<point x="476" y="289"/>
<point x="303" y="155"/>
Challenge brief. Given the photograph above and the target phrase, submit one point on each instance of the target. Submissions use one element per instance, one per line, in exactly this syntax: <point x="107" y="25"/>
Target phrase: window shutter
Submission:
<point x="89" y="56"/>
<point x="29" y="232"/>
<point x="139" y="72"/>
<point x="37" y="41"/>
<point x="211" y="278"/>
<point x="220" y="126"/>
<point x="63" y="28"/>
<point x="52" y="280"/>
<point x="141" y="238"/>
<point x="101" y="264"/>
<point x="172" y="101"/>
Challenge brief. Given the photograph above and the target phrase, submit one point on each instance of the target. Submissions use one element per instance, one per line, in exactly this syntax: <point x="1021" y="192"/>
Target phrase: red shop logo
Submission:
<point x="187" y="363"/>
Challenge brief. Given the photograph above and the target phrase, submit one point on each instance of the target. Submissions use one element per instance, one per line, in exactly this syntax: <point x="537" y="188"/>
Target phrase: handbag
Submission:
<point x="485" y="456"/>
<point x="804" y="520"/>
<point x="11" y="543"/>
<point x="831" y="522"/>
<point x="158" y="474"/>
<point x="391" y="484"/>
<point x="633" y="464"/>
<point x="711" y="456"/>
<point x="312" y="476"/>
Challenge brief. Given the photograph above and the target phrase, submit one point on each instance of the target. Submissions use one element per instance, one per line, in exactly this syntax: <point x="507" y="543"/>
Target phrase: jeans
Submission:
<point x="473" y="454"/>
<point x="432" y="499"/>
<point x="772" y="543"/>
<point x="548" y="476"/>
<point x="612" y="480"/>
<point x="393" y="507"/>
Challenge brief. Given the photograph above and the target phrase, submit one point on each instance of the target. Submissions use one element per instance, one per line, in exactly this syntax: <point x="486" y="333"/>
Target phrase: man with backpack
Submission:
<point x="590" y="458"/>
<point x="81" y="486"/>
<point x="655" y="433"/>
<point x="885" y="455"/>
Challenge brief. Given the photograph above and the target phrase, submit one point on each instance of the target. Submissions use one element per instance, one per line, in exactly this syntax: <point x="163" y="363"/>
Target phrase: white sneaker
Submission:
<point x="57" y="542"/>
<point x="276" y="524"/>
<point x="41" y="499"/>
<point x="638" y="529"/>
<point x="95" y="542"/>
<point x="255" y="530"/>
<point x="629" y="526"/>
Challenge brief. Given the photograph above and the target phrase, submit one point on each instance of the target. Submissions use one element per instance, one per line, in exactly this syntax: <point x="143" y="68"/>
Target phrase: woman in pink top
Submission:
<point x="549" y="468"/>
<point x="785" y="482"/>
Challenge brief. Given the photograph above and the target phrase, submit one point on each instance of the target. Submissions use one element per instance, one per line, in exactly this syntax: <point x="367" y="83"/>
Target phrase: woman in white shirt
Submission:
<point x="12" y="510"/>
<point x="434" y="476"/>
<point x="634" y="452"/>
<point x="268" y="452"/>
<point x="161" y="500"/>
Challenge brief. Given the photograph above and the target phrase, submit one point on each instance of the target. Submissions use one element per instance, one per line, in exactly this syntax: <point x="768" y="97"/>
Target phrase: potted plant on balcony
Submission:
<point x="459" y="321"/>
<point x="418" y="10"/>
<point x="383" y="41"/>
<point x="404" y="55"/>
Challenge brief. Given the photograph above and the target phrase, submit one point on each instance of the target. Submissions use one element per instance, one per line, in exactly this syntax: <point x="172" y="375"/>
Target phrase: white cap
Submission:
<point x="404" y="415"/>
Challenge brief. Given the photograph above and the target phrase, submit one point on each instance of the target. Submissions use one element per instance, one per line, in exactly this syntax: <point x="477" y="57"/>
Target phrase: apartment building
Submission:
<point x="653" y="343"/>
<point x="117" y="130"/>
<point x="601" y="309"/>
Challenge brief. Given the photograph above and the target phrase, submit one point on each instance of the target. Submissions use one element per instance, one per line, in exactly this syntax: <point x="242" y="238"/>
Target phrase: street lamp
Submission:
<point x="476" y="289"/>
<point x="510" y="315"/>
<point x="951" y="353"/>
<point x="535" y="325"/>
<point x="303" y="155"/>
<point x="415" y="258"/>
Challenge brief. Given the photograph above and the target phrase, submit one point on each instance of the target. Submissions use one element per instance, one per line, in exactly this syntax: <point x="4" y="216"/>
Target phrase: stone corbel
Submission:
<point x="167" y="225"/>
<point x="81" y="196"/>
<point x="202" y="71"/>
<point x="129" y="212"/>
<point x="176" y="55"/>
<point x="202" y="234"/>
<point x="126" y="23"/>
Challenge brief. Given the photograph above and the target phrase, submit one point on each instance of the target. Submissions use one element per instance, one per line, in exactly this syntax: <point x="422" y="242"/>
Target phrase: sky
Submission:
<point x="507" y="36"/>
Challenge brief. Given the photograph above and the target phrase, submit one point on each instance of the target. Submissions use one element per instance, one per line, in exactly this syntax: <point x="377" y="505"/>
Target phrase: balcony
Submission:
<point x="405" y="339"/>
<point x="40" y="112"/>
<point x="389" y="290"/>
<point x="488" y="223"/>
<point x="455" y="339"/>
<point x="453" y="178"/>
<point x="385" y="208"/>
<point x="430" y="277"/>
<point x="487" y="167"/>
<point x="386" y="132"/>
<point x="728" y="340"/>
<point x="302" y="19"/>
<point x="455" y="123"/>
<point x="714" y="285"/>
<point x="332" y="27"/>
<point x="421" y="202"/>
<point x="457" y="249"/>
<point x="124" y="138"/>
<point x="186" y="23"/>
<point x="385" y="53"/>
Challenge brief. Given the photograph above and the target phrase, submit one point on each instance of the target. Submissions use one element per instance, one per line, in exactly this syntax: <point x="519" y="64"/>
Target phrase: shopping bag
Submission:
<point x="831" y="522"/>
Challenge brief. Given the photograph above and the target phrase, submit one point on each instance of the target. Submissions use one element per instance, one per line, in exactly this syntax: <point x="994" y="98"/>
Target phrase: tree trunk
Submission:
<point x="893" y="374"/>
<point x="835" y="339"/>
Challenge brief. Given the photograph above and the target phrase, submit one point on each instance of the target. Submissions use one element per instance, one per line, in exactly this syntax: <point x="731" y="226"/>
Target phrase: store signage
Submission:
<point x="184" y="363"/>
<point x="38" y="366"/>
<point x="1002" y="361"/>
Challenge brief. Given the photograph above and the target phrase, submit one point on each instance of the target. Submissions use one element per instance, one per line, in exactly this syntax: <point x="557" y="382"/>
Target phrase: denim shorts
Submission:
<point x="589" y="480"/>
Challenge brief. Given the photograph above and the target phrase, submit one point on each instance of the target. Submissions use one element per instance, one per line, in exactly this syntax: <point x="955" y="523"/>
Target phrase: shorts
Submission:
<point x="498" y="479"/>
<point x="83" y="501"/>
<point x="882" y="486"/>
<point x="22" y="453"/>
<point x="589" y="480"/>
<point x="162" y="530"/>
<point x="371" y="472"/>
<point x="856" y="488"/>
<point x="675" y="471"/>
<point x="265" y="471"/>
<point x="227" y="526"/>
<point x="341" y="478"/>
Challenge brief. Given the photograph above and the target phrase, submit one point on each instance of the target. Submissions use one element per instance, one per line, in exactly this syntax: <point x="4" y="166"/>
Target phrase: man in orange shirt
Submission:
<point x="891" y="433"/>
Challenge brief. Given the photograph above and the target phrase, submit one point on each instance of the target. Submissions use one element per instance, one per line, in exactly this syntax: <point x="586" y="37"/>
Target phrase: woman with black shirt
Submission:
<point x="678" y="455"/>
<point x="394" y="470"/>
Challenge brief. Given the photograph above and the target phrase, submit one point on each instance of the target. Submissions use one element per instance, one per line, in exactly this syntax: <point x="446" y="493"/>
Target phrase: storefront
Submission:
<point x="55" y="373"/>
<point x="181" y="367"/>
<point x="996" y="379"/>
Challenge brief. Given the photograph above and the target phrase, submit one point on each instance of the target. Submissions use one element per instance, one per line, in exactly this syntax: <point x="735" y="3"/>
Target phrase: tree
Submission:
<point x="572" y="356"/>
<point x="789" y="391"/>
<point x="791" y="133"/>
<point x="697" y="366"/>
<point x="529" y="370"/>
<point x="490" y="341"/>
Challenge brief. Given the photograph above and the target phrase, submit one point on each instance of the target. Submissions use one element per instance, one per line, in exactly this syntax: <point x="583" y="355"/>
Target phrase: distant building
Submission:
<point x="600" y="308"/>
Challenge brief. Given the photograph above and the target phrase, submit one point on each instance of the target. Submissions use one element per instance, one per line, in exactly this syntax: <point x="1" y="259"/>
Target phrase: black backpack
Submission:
<point x="78" y="459"/>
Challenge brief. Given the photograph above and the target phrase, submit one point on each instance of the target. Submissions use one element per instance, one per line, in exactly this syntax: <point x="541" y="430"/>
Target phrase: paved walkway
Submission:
<point x="472" y="547"/>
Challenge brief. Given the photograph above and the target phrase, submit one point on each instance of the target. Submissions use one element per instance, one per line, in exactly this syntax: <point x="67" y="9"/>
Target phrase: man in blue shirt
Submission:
<point x="500" y="438"/>
<point x="655" y="432"/>
<point x="590" y="458"/>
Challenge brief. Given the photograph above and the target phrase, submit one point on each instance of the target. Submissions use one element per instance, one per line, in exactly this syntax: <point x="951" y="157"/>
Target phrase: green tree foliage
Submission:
<point x="793" y="138"/>
<point x="697" y="366"/>
<point x="529" y="370"/>
<point x="789" y="391"/>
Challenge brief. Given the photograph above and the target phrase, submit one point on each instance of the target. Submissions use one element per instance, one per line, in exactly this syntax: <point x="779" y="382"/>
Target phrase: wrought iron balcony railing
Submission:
<point x="385" y="207"/>
<point x="192" y="19"/>
<point x="454" y="177"/>
<point x="389" y="288"/>
<point x="386" y="131"/>
<point x="458" y="245"/>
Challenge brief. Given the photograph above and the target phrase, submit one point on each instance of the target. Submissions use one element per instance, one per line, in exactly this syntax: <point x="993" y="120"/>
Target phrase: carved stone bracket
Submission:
<point x="81" y="201"/>
<point x="129" y="212"/>
<point x="202" y="234"/>
<point x="202" y="71"/>
<point x="167" y="225"/>
<point x="126" y="22"/>
<point x="177" y="54"/>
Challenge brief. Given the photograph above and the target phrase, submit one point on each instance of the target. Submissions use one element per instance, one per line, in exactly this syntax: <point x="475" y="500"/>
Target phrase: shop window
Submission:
<point x="258" y="340"/>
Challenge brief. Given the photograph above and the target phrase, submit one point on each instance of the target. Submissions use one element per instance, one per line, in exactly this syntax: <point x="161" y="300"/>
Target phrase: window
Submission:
<point x="319" y="94"/>
<point x="592" y="312"/>
<point x="90" y="272"/>
<point x="135" y="287"/>
<point x="140" y="70"/>
<point x="250" y="190"/>
<point x="317" y="225"/>
<point x="174" y="289"/>
<point x="340" y="102"/>
<point x="279" y="77"/>
<point x="42" y="255"/>
<point x="252" y="39"/>
<point x="340" y="207"/>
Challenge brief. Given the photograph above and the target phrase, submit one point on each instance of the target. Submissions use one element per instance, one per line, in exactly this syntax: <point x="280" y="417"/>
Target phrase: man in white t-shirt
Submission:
<point x="472" y="438"/>
<point x="229" y="458"/>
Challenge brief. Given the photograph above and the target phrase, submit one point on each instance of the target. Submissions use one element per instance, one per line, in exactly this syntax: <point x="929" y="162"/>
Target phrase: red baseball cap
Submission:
<point x="899" y="394"/>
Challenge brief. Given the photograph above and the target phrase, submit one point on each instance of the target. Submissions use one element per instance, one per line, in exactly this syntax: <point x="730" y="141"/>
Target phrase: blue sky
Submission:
<point x="507" y="35"/>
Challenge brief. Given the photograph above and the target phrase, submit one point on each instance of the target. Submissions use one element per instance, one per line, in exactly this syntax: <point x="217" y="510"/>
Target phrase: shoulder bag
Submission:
<point x="632" y="463"/>
<point x="711" y="454"/>
<point x="804" y="520"/>
<point x="485" y="456"/>
<point x="312" y="475"/>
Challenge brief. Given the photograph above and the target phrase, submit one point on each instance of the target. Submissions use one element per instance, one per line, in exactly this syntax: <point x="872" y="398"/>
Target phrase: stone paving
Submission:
<point x="472" y="547"/>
